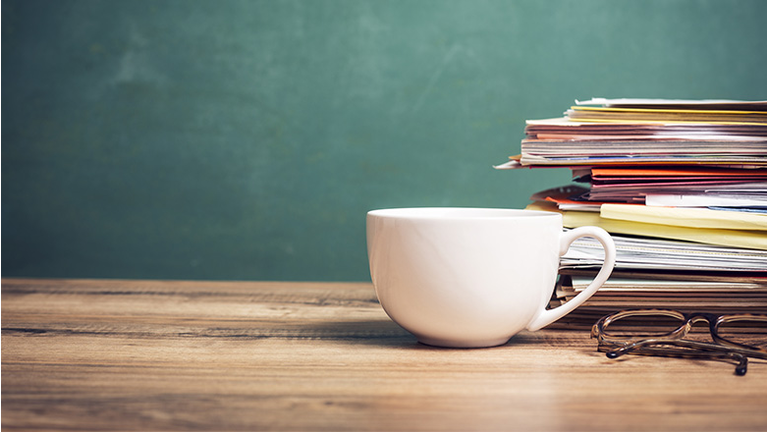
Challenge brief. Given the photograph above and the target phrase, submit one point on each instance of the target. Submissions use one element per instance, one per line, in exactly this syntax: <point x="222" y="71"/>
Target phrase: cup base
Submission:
<point x="444" y="343"/>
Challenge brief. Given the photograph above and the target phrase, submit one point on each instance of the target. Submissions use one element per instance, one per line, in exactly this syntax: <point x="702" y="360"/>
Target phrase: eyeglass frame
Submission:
<point x="720" y="349"/>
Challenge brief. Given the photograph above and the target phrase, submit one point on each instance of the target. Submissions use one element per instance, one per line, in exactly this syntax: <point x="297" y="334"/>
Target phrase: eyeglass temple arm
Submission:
<point x="711" y="350"/>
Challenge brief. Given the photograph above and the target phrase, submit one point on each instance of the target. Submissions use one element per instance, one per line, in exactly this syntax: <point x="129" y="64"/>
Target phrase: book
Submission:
<point x="681" y="187"/>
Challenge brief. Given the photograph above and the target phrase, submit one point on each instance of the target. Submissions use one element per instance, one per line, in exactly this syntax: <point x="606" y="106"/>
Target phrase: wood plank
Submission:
<point x="175" y="355"/>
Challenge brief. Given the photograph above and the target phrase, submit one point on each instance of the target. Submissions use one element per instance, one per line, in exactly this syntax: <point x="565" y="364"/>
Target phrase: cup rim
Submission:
<point x="459" y="213"/>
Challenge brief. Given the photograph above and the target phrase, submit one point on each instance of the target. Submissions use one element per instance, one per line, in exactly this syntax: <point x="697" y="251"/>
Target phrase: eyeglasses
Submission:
<point x="662" y="332"/>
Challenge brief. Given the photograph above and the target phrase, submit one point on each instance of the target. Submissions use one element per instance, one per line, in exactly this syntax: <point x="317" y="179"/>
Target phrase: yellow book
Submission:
<point x="647" y="115"/>
<point x="685" y="217"/>
<point x="724" y="237"/>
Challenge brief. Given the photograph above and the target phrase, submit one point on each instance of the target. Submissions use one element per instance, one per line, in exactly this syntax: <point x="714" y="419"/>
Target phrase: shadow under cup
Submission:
<point x="466" y="277"/>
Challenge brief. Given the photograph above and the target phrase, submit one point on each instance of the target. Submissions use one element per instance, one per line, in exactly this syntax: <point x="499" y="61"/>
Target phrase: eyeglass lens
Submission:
<point x="743" y="330"/>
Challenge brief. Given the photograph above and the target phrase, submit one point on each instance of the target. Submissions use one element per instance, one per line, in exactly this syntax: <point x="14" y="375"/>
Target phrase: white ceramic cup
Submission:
<point x="470" y="277"/>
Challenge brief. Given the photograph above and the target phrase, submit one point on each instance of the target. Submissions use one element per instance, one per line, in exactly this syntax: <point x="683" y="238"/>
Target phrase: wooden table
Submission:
<point x="155" y="355"/>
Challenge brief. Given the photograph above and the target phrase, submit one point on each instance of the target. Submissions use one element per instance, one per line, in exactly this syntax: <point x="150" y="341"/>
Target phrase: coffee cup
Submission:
<point x="473" y="277"/>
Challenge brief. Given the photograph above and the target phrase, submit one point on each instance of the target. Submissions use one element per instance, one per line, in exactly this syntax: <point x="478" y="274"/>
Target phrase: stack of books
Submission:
<point x="680" y="185"/>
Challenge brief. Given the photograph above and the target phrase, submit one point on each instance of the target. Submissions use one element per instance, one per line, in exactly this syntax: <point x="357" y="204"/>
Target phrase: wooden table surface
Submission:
<point x="173" y="355"/>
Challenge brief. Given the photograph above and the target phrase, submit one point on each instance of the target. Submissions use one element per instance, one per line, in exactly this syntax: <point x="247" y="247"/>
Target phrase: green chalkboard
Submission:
<point x="247" y="139"/>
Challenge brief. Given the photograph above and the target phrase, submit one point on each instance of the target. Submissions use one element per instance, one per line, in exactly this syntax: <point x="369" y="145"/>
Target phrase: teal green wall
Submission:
<point x="247" y="139"/>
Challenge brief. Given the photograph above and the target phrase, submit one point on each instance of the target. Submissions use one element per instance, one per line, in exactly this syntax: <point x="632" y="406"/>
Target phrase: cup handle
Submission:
<point x="547" y="317"/>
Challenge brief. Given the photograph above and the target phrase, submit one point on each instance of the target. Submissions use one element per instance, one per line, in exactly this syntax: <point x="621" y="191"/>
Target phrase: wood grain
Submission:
<point x="174" y="355"/>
